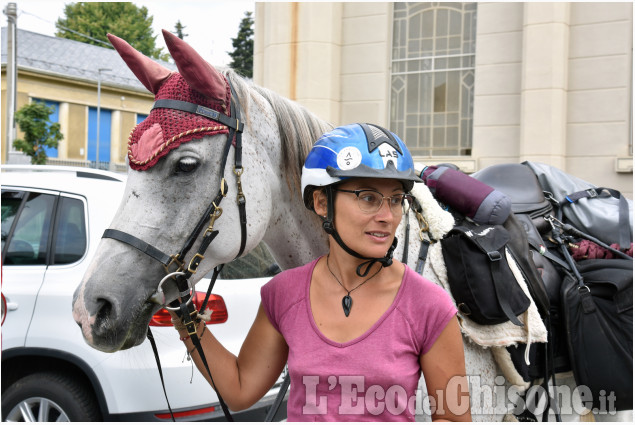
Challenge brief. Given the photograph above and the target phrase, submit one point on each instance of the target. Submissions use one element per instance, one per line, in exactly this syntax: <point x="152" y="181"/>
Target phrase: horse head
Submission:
<point x="185" y="158"/>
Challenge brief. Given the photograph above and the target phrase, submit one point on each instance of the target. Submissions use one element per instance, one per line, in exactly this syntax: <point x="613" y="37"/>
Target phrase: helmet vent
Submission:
<point x="377" y="133"/>
<point x="376" y="136"/>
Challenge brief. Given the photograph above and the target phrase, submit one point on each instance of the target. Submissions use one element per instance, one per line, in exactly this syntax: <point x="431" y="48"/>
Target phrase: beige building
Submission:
<point x="470" y="83"/>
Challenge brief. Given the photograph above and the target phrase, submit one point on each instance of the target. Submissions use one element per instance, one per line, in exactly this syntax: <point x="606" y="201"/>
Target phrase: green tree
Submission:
<point x="96" y="19"/>
<point x="39" y="132"/>
<point x="178" y="30"/>
<point x="243" y="54"/>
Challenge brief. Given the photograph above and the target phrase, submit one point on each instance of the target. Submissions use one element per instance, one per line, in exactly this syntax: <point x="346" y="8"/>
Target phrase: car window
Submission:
<point x="11" y="201"/>
<point x="70" y="234"/>
<point x="30" y="238"/>
<point x="258" y="263"/>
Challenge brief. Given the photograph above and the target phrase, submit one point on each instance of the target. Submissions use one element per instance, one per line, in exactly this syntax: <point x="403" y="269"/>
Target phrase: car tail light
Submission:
<point x="215" y="303"/>
<point x="4" y="308"/>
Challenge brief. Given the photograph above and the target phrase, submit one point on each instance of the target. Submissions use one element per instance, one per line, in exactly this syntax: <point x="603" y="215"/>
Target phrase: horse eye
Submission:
<point x="186" y="165"/>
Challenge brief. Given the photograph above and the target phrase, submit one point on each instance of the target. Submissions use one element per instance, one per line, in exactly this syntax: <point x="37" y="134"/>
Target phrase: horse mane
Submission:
<point x="298" y="127"/>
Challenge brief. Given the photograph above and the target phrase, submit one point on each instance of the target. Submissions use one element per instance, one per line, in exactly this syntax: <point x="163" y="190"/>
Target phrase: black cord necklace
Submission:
<point x="347" y="301"/>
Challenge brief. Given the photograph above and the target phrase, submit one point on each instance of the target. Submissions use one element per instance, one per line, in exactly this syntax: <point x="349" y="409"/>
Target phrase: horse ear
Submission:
<point x="199" y="74"/>
<point x="151" y="74"/>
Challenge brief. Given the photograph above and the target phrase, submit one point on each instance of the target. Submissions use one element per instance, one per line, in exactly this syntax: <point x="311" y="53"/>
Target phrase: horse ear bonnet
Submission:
<point x="166" y="129"/>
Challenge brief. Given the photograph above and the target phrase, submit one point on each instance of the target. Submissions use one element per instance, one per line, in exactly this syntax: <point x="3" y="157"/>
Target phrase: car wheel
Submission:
<point x="49" y="397"/>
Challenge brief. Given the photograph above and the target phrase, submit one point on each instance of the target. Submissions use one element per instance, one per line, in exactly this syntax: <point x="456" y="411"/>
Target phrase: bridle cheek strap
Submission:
<point x="238" y="171"/>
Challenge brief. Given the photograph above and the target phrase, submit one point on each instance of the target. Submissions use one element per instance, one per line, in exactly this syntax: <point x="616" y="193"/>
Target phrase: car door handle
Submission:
<point x="12" y="306"/>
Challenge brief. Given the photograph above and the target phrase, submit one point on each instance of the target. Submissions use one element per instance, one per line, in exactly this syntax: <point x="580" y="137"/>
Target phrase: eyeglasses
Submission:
<point x="370" y="201"/>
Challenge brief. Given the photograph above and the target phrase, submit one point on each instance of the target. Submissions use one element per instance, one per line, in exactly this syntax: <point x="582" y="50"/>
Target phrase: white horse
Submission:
<point x="163" y="203"/>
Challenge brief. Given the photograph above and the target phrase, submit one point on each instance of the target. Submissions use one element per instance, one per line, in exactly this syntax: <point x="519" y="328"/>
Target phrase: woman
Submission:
<point x="355" y="326"/>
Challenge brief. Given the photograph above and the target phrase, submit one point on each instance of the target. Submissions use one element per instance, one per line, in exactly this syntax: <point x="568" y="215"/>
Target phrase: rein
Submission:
<point x="185" y="308"/>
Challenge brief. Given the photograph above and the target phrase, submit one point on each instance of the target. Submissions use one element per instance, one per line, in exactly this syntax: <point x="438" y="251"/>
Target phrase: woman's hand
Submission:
<point x="244" y="379"/>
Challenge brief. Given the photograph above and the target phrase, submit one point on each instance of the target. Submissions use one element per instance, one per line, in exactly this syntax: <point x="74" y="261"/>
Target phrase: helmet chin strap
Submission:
<point x="329" y="228"/>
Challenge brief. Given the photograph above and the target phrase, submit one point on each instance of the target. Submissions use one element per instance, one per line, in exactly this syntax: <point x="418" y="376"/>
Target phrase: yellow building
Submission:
<point x="65" y="74"/>
<point x="474" y="84"/>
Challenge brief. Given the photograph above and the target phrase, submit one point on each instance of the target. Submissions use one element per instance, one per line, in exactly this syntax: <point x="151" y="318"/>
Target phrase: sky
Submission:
<point x="210" y="25"/>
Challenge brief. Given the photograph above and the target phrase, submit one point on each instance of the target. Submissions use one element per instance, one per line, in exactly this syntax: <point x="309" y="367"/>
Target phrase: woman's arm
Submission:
<point x="444" y="372"/>
<point x="242" y="380"/>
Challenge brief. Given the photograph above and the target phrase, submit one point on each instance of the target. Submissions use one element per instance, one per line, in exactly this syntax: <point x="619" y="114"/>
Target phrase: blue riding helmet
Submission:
<point x="357" y="150"/>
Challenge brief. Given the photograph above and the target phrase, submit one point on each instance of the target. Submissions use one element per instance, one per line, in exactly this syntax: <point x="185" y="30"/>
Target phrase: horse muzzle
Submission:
<point x="112" y="307"/>
<point x="108" y="329"/>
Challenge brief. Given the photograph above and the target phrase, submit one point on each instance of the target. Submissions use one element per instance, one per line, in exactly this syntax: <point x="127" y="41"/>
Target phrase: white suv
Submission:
<point x="52" y="221"/>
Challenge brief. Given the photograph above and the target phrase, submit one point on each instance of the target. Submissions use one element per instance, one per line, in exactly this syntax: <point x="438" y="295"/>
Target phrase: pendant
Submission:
<point x="347" y="303"/>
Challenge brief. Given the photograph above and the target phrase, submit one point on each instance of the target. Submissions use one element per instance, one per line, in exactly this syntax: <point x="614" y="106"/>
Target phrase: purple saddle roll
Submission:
<point x="466" y="195"/>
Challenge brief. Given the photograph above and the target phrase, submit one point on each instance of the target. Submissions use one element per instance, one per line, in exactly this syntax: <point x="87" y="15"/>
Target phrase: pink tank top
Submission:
<point x="372" y="377"/>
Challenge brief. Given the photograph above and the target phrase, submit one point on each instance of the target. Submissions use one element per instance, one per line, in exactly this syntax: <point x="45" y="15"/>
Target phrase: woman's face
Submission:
<point x="368" y="233"/>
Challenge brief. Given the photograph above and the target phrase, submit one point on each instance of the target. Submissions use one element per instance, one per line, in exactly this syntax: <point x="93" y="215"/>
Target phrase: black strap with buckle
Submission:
<point x="201" y="110"/>
<point x="625" y="234"/>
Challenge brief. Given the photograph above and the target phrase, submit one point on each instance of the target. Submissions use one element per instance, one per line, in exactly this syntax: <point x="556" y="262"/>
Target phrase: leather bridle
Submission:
<point x="185" y="307"/>
<point x="213" y="211"/>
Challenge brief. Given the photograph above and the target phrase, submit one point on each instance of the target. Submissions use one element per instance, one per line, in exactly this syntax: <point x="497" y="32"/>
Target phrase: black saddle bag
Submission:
<point x="481" y="282"/>
<point x="599" y="321"/>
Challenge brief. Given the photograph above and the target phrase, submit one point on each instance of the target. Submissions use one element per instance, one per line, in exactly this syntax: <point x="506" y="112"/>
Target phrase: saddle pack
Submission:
<point x="477" y="248"/>
<point x="482" y="284"/>
<point x="589" y="311"/>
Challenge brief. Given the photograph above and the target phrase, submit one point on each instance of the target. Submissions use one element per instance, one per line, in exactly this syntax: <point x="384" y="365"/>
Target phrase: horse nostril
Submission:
<point x="103" y="317"/>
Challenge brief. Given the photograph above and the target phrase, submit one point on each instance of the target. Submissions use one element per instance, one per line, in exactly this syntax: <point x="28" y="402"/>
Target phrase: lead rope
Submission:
<point x="187" y="310"/>
<point x="158" y="360"/>
<point x="217" y="271"/>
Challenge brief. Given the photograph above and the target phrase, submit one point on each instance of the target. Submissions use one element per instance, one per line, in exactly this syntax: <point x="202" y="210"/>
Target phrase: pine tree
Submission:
<point x="243" y="54"/>
<point x="39" y="132"/>
<point x="178" y="30"/>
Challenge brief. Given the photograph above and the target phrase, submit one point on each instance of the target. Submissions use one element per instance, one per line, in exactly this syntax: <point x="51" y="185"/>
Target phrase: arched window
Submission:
<point x="432" y="78"/>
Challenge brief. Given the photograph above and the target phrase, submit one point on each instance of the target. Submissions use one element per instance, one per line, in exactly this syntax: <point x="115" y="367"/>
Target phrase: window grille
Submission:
<point x="432" y="77"/>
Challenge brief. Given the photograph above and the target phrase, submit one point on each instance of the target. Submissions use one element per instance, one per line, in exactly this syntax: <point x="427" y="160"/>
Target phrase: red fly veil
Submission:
<point x="196" y="82"/>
